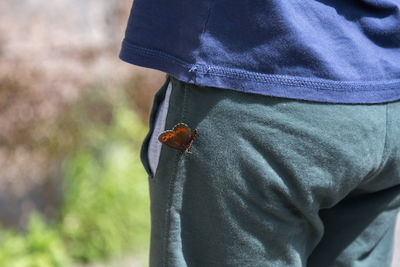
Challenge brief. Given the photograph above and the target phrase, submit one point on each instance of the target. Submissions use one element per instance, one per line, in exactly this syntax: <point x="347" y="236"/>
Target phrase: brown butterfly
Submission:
<point x="180" y="137"/>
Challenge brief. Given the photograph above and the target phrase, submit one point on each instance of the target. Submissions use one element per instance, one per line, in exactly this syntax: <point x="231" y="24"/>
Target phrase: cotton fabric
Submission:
<point x="154" y="148"/>
<point x="274" y="182"/>
<point x="337" y="51"/>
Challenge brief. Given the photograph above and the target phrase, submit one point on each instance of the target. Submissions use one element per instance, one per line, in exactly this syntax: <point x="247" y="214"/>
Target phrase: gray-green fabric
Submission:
<point x="274" y="182"/>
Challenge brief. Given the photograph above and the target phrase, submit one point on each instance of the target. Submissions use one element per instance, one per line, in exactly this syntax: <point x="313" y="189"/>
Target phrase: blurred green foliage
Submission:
<point x="106" y="205"/>
<point x="105" y="210"/>
<point x="41" y="246"/>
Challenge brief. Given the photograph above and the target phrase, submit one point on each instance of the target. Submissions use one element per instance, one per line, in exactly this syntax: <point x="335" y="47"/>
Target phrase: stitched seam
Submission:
<point x="154" y="52"/>
<point x="332" y="85"/>
<point x="299" y="82"/>
<point x="382" y="164"/>
<point x="168" y="213"/>
<point x="171" y="187"/>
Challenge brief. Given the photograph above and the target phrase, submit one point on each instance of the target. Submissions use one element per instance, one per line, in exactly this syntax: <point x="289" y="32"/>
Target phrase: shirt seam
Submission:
<point x="315" y="83"/>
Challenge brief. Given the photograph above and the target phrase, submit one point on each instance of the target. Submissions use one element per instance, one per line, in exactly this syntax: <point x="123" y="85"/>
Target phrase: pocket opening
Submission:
<point x="144" y="152"/>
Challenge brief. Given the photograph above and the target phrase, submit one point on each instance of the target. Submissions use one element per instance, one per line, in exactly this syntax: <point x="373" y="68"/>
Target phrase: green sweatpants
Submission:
<point x="274" y="182"/>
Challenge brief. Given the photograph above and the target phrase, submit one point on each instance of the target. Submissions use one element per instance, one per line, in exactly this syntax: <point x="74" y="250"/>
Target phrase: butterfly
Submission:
<point x="180" y="137"/>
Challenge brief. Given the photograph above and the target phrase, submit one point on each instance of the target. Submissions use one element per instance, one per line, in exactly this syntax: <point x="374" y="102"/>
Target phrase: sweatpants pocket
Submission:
<point x="151" y="147"/>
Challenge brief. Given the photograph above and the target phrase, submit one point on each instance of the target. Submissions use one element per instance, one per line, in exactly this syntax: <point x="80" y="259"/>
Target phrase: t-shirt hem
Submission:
<point x="301" y="88"/>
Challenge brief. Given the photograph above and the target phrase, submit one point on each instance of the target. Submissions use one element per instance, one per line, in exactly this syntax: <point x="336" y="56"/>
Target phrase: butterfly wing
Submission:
<point x="183" y="132"/>
<point x="169" y="138"/>
<point x="189" y="143"/>
<point x="178" y="138"/>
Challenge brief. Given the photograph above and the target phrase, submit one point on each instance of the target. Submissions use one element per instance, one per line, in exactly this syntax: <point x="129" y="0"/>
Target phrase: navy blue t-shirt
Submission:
<point x="340" y="51"/>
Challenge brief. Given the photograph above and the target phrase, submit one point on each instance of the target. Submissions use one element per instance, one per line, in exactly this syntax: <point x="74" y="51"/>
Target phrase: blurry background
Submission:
<point x="72" y="116"/>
